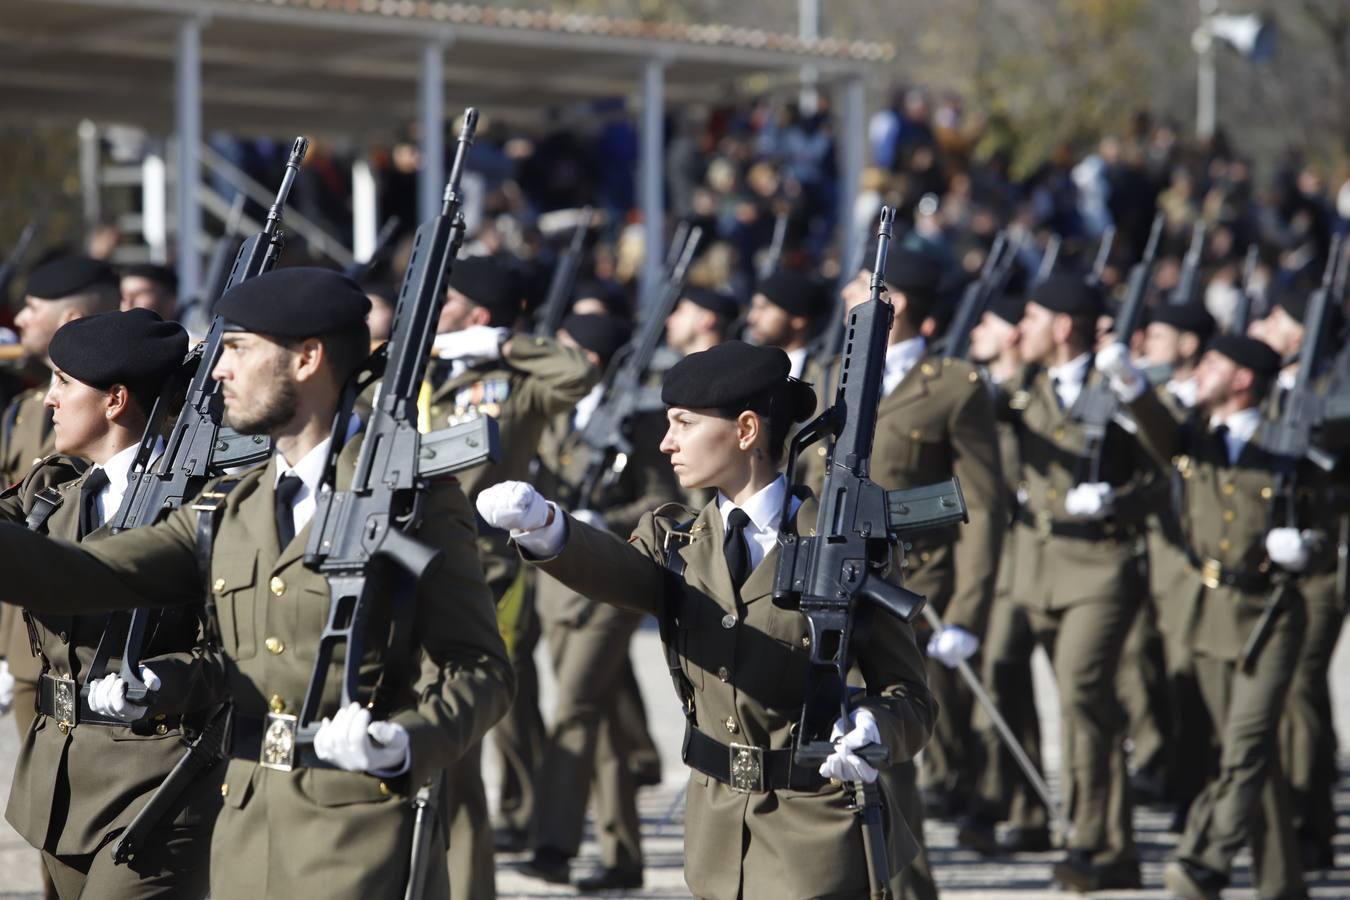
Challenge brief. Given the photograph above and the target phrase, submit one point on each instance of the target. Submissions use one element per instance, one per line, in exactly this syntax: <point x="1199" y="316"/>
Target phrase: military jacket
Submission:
<point x="102" y="775"/>
<point x="747" y="663"/>
<point x="937" y="423"/>
<point x="26" y="436"/>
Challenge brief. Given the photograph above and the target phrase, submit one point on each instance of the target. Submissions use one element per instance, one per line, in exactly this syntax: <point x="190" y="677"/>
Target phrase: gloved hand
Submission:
<point x="6" y="688"/>
<point x="952" y="645"/>
<point x="1289" y="548"/>
<point x="1090" y="501"/>
<point x="520" y="509"/>
<point x="853" y="733"/>
<point x="591" y="518"/>
<point x="1127" y="382"/>
<point x="108" y="696"/>
<point x="475" y="344"/>
<point x="351" y="741"/>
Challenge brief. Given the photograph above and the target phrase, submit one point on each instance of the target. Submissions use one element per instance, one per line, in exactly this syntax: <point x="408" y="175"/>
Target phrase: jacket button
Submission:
<point x="275" y="646"/>
<point x="915" y="434"/>
<point x="925" y="556"/>
<point x="219" y="585"/>
<point x="277" y="585"/>
<point x="161" y="728"/>
<point x="384" y="789"/>
<point x="225" y="790"/>
<point x="728" y="621"/>
<point x="731" y="725"/>
<point x="1267" y="493"/>
<point x="65" y="638"/>
<point x="277" y="704"/>
<point x="1225" y="545"/>
<point x="1229" y="515"/>
<point x="1051" y="494"/>
<point x="723" y="675"/>
<point x="1229" y="490"/>
<point x="806" y="642"/>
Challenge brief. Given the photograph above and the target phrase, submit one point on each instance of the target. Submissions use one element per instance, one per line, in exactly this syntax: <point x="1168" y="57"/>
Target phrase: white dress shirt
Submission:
<point x="1183" y="391"/>
<point x="118" y="470"/>
<point x="797" y="359"/>
<point x="310" y="471"/>
<point x="900" y="358"/>
<point x="1241" y="426"/>
<point x="1068" y="379"/>
<point x="765" y="511"/>
<point x="587" y="406"/>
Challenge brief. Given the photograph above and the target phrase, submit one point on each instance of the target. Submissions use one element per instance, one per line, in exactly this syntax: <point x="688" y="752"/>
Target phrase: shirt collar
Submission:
<point x="906" y="353"/>
<point x="309" y="468"/>
<point x="118" y="469"/>
<point x="797" y="362"/>
<point x="1241" y="424"/>
<point x="1073" y="371"/>
<point x="764" y="508"/>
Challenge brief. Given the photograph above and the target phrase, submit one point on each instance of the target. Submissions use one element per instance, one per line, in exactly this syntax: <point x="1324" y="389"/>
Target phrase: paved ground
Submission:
<point x="960" y="874"/>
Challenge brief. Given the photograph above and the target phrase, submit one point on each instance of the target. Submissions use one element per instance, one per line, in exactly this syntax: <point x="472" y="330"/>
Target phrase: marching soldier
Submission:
<point x="1241" y="568"/>
<point x="756" y="823"/>
<point x="338" y="809"/>
<point x="785" y="312"/>
<point x="483" y="368"/>
<point x="90" y="761"/>
<point x="1076" y="570"/>
<point x="150" y="286"/>
<point x="701" y="319"/>
<point x="586" y="750"/>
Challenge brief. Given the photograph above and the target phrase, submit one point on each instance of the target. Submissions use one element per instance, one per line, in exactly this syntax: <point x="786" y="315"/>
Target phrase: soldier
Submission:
<point x="152" y="287"/>
<point x="338" y="809"/>
<point x="735" y="654"/>
<point x="785" y="312"/>
<point x="1174" y="340"/>
<point x="522" y="382"/>
<point x="1230" y="494"/>
<point x="1076" y="570"/>
<point x="89" y="762"/>
<point x="700" y="320"/>
<point x="587" y="748"/>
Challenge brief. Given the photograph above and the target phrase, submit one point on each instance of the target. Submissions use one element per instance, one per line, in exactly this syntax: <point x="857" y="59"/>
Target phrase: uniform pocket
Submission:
<point x="232" y="584"/>
<point x="330" y="788"/>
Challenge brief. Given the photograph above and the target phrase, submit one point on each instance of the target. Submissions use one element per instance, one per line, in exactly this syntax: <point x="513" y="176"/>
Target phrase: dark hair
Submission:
<point x="919" y="306"/>
<point x="778" y="408"/>
<point x="346" y="349"/>
<point x="1085" y="329"/>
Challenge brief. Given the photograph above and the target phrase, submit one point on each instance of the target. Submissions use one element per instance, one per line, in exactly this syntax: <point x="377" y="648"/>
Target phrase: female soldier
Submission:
<point x="92" y="759"/>
<point x="758" y="824"/>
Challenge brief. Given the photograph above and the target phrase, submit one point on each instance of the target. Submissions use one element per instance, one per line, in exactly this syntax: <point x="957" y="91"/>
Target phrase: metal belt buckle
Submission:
<point x="209" y="501"/>
<point x="278" y="742"/>
<point x="65" y="702"/>
<point x="1044" y="524"/>
<point x="1210" y="573"/>
<point x="746" y="769"/>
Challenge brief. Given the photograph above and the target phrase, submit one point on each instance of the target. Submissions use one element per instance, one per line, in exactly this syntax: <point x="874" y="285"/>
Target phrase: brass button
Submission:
<point x="275" y="646"/>
<point x="728" y="621"/>
<point x="1225" y="545"/>
<point x="219" y="585"/>
<point x="927" y="369"/>
<point x="161" y="728"/>
<point x="277" y="704"/>
<point x="915" y="434"/>
<point x="565" y="459"/>
<point x="1051" y="494"/>
<point x="806" y="642"/>
<point x="277" y="585"/>
<point x="1229" y="515"/>
<point x="1267" y="493"/>
<point x="1229" y="490"/>
<point x="225" y="789"/>
<point x="1060" y="434"/>
<point x="731" y="725"/>
<point x="723" y="675"/>
<point x="925" y="556"/>
<point x="974" y="377"/>
<point x="384" y="789"/>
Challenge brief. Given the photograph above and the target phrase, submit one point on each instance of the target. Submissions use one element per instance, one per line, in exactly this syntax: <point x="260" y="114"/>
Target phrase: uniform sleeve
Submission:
<point x="1159" y="432"/>
<point x="465" y="683"/>
<point x="896" y="687"/>
<point x="602" y="566"/>
<point x="191" y="668"/>
<point x="976" y="462"/>
<point x="560" y="376"/>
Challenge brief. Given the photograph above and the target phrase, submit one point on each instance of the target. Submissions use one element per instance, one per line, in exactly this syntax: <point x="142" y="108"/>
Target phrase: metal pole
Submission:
<point x="155" y="207"/>
<point x="431" y="99"/>
<point x="808" y="29"/>
<point x="651" y="186"/>
<point x="1206" y="81"/>
<point x="852" y="134"/>
<point x="188" y="110"/>
<point x="365" y="212"/>
<point x="89" y="174"/>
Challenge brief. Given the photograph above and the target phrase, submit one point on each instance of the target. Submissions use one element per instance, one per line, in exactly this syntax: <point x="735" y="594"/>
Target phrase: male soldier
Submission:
<point x="1174" y="340"/>
<point x="700" y="320"/>
<point x="1002" y="791"/>
<point x="152" y="287"/>
<point x="1231" y="491"/>
<point x="90" y="762"/>
<point x="522" y="382"/>
<point x="338" y="810"/>
<point x="587" y="749"/>
<point x="1076" y="570"/>
<point x="785" y="312"/>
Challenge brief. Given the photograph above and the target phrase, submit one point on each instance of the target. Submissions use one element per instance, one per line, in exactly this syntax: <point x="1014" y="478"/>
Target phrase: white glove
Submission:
<point x="108" y="696"/>
<point x="475" y="344"/>
<point x="1089" y="501"/>
<point x="952" y="645"/>
<point x="517" y="507"/>
<point x="591" y="518"/>
<point x="1127" y="382"/>
<point x="6" y="688"/>
<point x="843" y="764"/>
<point x="1289" y="548"/>
<point x="352" y="742"/>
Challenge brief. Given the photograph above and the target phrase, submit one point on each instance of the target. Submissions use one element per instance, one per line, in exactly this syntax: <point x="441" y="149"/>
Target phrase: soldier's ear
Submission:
<point x="308" y="356"/>
<point x="749" y="427"/>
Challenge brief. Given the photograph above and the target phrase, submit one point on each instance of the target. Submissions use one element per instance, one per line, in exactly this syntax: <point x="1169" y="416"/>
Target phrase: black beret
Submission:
<point x="1009" y="307"/>
<point x="161" y="275"/>
<point x="1247" y="352"/>
<point x="136" y="348"/>
<point x="911" y="272"/>
<point x="491" y="283"/>
<point x="1192" y="317"/>
<point x="298" y="302"/>
<point x="737" y="376"/>
<point x="68" y="276"/>
<point x="610" y="295"/>
<point x="603" y="335"/>
<point x="1292" y="297"/>
<point x="722" y="304"/>
<point x="798" y="294"/>
<point x="1069" y="294"/>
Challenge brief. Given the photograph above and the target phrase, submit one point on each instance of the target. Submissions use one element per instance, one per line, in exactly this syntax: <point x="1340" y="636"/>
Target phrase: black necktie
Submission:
<point x="287" y="489"/>
<point x="1221" y="438"/>
<point x="736" y="549"/>
<point x="89" y="491"/>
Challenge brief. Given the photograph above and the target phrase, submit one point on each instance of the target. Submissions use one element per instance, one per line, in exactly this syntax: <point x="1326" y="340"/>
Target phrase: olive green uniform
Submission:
<point x="288" y="833"/>
<point x="535" y="381"/>
<point x="746" y="661"/>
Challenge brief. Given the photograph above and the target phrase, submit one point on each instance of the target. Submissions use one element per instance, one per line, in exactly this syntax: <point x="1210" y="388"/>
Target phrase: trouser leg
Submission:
<point x="469" y="854"/>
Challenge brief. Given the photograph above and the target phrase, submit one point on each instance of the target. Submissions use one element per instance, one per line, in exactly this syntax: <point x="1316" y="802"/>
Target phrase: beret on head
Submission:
<point x="492" y="284"/>
<point x="294" y="303"/>
<point x="1069" y="294"/>
<point x="135" y="348"/>
<point x="1009" y="307"/>
<point x="602" y="335"/>
<point x="68" y="276"/>
<point x="1192" y="317"/>
<point x="1248" y="352"/>
<point x="607" y="292"/>
<point x="911" y="272"/>
<point x="794" y="292"/>
<point x="1292" y="297"/>
<point x="722" y="304"/>
<point x="161" y="275"/>
<point x="385" y="290"/>
<point x="738" y="376"/>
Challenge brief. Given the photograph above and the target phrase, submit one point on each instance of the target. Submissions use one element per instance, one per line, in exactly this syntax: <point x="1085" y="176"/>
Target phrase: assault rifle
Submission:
<point x="1103" y="257"/>
<point x="774" y="254"/>
<point x="1048" y="260"/>
<point x="10" y="267"/>
<point x="1242" y="309"/>
<point x="989" y="286"/>
<point x="564" y="280"/>
<point x="840" y="568"/>
<point x="223" y="255"/>
<point x="607" y="435"/>
<point x="1188" y="284"/>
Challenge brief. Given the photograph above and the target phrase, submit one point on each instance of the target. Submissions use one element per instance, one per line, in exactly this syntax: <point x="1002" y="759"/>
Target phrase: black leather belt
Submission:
<point x="750" y="770"/>
<point x="1045" y="526"/>
<point x="271" y="743"/>
<point x="61" y="699"/>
